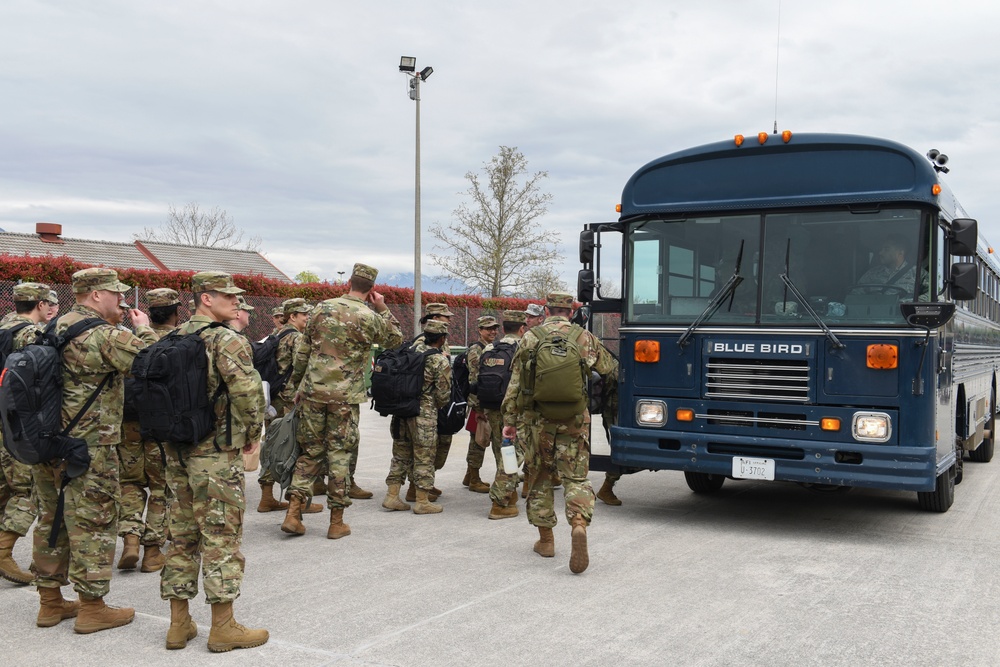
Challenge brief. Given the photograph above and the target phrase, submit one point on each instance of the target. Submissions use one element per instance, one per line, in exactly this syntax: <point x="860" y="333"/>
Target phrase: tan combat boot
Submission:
<point x="424" y="504"/>
<point x="54" y="608"/>
<point x="468" y="476"/>
<point x="311" y="508"/>
<point x="357" y="493"/>
<point x="130" y="553"/>
<point x="8" y="568"/>
<point x="411" y="493"/>
<point x="95" y="616"/>
<point x="607" y="493"/>
<point x="392" y="501"/>
<point x="182" y="626"/>
<point x="319" y="487"/>
<point x="226" y="634"/>
<point x="477" y="485"/>
<point x="268" y="503"/>
<point x="546" y="544"/>
<point x="579" y="559"/>
<point x="338" y="528"/>
<point x="293" y="518"/>
<point x="501" y="512"/>
<point x="152" y="558"/>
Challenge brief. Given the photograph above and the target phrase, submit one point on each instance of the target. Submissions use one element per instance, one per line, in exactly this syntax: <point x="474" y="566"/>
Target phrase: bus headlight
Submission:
<point x="651" y="413"/>
<point x="872" y="427"/>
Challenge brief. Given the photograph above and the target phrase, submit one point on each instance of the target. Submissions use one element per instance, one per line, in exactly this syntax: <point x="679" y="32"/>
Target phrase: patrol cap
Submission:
<point x="32" y="292"/>
<point x="533" y="309"/>
<point x="364" y="271"/>
<point x="435" y="327"/>
<point x="191" y="305"/>
<point x="214" y="281"/>
<point x="161" y="297"/>
<point x="518" y="316"/>
<point x="438" y="309"/>
<point x="297" y="305"/>
<point x="98" y="279"/>
<point x="487" y="322"/>
<point x="243" y="305"/>
<point x="277" y="311"/>
<point x="53" y="297"/>
<point x="559" y="300"/>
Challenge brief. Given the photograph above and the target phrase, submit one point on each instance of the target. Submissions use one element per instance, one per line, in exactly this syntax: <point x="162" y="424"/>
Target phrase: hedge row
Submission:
<point x="59" y="270"/>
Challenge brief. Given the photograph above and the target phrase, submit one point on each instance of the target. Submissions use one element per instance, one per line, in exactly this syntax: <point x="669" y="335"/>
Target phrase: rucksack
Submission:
<point x="460" y="371"/>
<point x="280" y="449"/>
<point x="556" y="375"/>
<point x="7" y="340"/>
<point x="265" y="360"/>
<point x="398" y="380"/>
<point x="171" y="390"/>
<point x="494" y="375"/>
<point x="452" y="415"/>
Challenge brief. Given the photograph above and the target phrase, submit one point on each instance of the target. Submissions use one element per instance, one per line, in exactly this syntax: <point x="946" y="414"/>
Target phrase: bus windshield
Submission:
<point x="852" y="268"/>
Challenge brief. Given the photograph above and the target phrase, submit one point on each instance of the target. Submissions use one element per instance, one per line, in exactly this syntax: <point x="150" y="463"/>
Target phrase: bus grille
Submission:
<point x="758" y="379"/>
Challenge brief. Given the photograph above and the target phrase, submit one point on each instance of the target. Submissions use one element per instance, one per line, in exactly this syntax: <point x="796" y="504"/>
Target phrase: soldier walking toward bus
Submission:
<point x="488" y="327"/>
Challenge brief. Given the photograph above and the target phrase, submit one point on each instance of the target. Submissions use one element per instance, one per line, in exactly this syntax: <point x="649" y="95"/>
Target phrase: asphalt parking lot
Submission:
<point x="758" y="574"/>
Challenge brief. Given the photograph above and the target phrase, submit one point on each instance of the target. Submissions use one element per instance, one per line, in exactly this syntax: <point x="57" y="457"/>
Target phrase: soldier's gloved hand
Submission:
<point x="510" y="432"/>
<point x="250" y="448"/>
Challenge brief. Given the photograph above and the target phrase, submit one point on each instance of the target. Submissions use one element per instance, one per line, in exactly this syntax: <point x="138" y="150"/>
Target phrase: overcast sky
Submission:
<point x="294" y="118"/>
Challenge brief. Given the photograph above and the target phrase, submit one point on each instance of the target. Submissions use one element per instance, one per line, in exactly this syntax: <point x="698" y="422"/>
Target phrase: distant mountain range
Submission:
<point x="440" y="284"/>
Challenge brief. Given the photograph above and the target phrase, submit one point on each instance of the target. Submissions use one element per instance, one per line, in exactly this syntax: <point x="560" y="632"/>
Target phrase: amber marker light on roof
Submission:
<point x="829" y="424"/>
<point x="786" y="136"/>
<point x="883" y="357"/>
<point x="762" y="138"/>
<point x="738" y="139"/>
<point x="618" y="208"/>
<point x="684" y="415"/>
<point x="936" y="189"/>
<point x="647" y="351"/>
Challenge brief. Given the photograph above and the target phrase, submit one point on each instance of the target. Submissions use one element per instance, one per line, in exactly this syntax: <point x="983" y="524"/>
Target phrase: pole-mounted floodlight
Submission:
<point x="407" y="64"/>
<point x="425" y="72"/>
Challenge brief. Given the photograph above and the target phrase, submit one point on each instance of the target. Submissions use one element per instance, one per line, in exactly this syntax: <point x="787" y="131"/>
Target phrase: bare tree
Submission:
<point x="540" y="282"/>
<point x="495" y="241"/>
<point x="192" y="226"/>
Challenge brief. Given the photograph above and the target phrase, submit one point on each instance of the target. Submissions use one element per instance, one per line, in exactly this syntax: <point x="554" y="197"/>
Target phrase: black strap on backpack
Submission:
<point x="11" y="332"/>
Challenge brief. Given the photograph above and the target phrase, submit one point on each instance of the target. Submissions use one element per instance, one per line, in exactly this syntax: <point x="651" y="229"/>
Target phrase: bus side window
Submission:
<point x="939" y="254"/>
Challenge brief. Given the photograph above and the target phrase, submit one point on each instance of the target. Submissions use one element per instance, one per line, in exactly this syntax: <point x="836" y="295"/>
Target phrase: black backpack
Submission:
<point x="7" y="340"/>
<point x="265" y="360"/>
<point x="494" y="375"/>
<point x="452" y="416"/>
<point x="171" y="390"/>
<point x="460" y="371"/>
<point x="398" y="380"/>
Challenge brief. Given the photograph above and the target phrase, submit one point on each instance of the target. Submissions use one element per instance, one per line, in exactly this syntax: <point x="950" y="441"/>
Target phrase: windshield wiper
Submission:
<point x="728" y="290"/>
<point x="804" y="302"/>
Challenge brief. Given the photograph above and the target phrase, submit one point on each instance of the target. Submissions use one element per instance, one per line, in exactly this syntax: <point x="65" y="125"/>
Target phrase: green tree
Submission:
<point x="306" y="277"/>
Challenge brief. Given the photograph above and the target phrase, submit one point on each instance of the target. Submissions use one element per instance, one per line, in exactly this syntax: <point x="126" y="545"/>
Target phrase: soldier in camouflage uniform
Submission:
<point x="278" y="315"/>
<point x="85" y="542"/>
<point x="415" y="439"/>
<point x="503" y="491"/>
<point x="329" y="374"/>
<point x="53" y="307"/>
<point x="141" y="465"/>
<point x="558" y="446"/>
<point x="207" y="479"/>
<point x="17" y="506"/>
<point x="488" y="328"/>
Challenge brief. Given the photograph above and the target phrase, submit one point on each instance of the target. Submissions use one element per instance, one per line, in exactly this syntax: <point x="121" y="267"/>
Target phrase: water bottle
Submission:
<point x="509" y="456"/>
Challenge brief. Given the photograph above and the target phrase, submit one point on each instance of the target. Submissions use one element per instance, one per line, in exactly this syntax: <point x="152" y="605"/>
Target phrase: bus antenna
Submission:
<point x="777" y="53"/>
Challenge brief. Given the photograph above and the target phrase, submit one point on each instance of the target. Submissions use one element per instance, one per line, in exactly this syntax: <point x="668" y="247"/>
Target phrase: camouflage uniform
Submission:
<point x="415" y="440"/>
<point x="557" y="446"/>
<point x="329" y="374"/>
<point x="206" y="516"/>
<point x="85" y="544"/>
<point x="474" y="457"/>
<point x="504" y="485"/>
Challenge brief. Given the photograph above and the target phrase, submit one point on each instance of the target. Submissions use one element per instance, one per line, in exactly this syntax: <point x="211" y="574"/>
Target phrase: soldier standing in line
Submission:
<point x="488" y="328"/>
<point x="32" y="304"/>
<point x="415" y="441"/>
<point x="53" y="307"/>
<point x="329" y="377"/>
<point x="244" y="310"/>
<point x="558" y="446"/>
<point x="141" y="465"/>
<point x="206" y="518"/>
<point x="278" y="315"/>
<point x="85" y="544"/>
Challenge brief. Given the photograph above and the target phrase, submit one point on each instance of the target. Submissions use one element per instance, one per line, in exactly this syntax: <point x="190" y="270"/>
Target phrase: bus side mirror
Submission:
<point x="585" y="286"/>
<point x="964" y="281"/>
<point x="586" y="246"/>
<point x="964" y="236"/>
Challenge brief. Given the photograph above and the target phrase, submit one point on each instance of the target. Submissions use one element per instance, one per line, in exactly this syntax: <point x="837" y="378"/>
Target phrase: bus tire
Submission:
<point x="943" y="495"/>
<point x="701" y="482"/>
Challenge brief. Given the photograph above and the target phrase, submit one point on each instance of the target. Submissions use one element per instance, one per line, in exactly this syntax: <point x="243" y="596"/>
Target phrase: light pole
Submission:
<point x="408" y="66"/>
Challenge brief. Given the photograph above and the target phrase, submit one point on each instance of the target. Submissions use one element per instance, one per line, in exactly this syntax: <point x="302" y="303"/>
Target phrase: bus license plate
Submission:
<point x="746" y="468"/>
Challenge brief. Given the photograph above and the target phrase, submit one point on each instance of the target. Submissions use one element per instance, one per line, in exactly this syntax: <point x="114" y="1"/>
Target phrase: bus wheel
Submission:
<point x="943" y="495"/>
<point x="701" y="482"/>
<point x="984" y="452"/>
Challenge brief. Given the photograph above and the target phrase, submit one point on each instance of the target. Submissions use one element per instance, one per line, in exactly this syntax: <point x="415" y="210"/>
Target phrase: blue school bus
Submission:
<point x="812" y="308"/>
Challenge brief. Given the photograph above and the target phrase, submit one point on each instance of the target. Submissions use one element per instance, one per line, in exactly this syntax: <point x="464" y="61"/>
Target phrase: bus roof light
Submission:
<point x="618" y="208"/>
<point x="738" y="139"/>
<point x="883" y="357"/>
<point x="647" y="351"/>
<point x="786" y="136"/>
<point x="936" y="189"/>
<point x="762" y="137"/>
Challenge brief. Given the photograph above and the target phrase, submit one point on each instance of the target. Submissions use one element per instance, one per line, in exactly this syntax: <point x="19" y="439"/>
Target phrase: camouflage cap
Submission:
<point x="435" y="327"/>
<point x="214" y="281"/>
<point x="438" y="309"/>
<point x="98" y="279"/>
<point x="559" y="300"/>
<point x="296" y="305"/>
<point x="161" y="297"/>
<point x="364" y="271"/>
<point x="534" y="310"/>
<point x="277" y="311"/>
<point x="53" y="297"/>
<point x="518" y="316"/>
<point x="32" y="292"/>
<point x="487" y="322"/>
<point x="191" y="305"/>
<point x="243" y="305"/>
